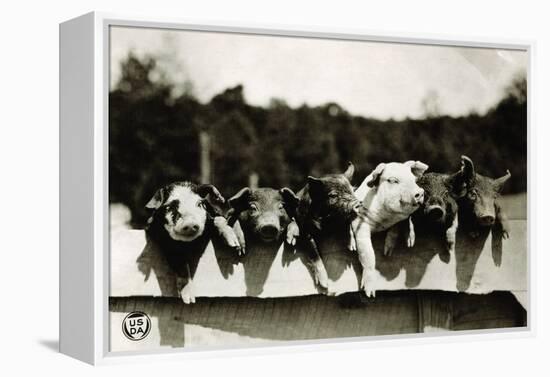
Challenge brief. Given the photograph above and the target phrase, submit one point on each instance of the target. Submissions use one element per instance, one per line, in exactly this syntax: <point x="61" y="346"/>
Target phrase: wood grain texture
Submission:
<point x="478" y="265"/>
<point x="246" y="321"/>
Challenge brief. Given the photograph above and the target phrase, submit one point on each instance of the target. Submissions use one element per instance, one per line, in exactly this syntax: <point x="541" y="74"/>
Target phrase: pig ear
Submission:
<point x="374" y="178"/>
<point x="349" y="171"/>
<point x="417" y="167"/>
<point x="157" y="200"/>
<point x="211" y="193"/>
<point x="213" y="197"/>
<point x="499" y="182"/>
<point x="240" y="200"/>
<point x="314" y="183"/>
<point x="467" y="170"/>
<point x="290" y="200"/>
<point x="458" y="187"/>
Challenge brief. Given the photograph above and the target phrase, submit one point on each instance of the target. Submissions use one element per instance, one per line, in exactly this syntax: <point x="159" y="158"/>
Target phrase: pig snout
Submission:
<point x="487" y="220"/>
<point x="188" y="229"/>
<point x="269" y="228"/>
<point x="269" y="232"/>
<point x="434" y="208"/>
<point x="355" y="206"/>
<point x="485" y="213"/>
<point x="418" y="196"/>
<point x="435" y="212"/>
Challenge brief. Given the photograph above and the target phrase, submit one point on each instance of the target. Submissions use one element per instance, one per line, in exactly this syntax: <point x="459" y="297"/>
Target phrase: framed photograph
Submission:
<point x="226" y="187"/>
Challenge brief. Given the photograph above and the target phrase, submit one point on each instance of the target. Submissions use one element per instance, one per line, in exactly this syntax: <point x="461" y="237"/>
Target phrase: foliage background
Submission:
<point x="154" y="138"/>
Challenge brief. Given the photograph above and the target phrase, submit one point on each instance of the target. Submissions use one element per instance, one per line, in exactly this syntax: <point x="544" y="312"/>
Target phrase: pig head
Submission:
<point x="263" y="213"/>
<point x="329" y="199"/>
<point x="182" y="209"/>
<point x="479" y="205"/>
<point x="391" y="193"/>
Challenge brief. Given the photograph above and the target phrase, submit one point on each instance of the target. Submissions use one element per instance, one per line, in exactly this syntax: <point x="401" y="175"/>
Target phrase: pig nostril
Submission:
<point x="487" y="220"/>
<point x="190" y="228"/>
<point x="435" y="212"/>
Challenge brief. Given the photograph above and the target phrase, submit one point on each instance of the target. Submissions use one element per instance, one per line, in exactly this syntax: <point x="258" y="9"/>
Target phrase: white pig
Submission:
<point x="389" y="195"/>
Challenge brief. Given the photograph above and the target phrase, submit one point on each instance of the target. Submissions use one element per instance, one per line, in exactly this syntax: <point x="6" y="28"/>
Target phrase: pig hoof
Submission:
<point x="187" y="294"/>
<point x="292" y="232"/>
<point x="352" y="246"/>
<point x="368" y="286"/>
<point x="450" y="247"/>
<point x="321" y="279"/>
<point x="388" y="250"/>
<point x="505" y="234"/>
<point x="323" y="282"/>
<point x="370" y="293"/>
<point x="290" y="240"/>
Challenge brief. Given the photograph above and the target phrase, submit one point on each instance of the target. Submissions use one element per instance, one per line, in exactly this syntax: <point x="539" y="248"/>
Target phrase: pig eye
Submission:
<point x="201" y="204"/>
<point x="332" y="194"/>
<point x="281" y="206"/>
<point x="393" y="180"/>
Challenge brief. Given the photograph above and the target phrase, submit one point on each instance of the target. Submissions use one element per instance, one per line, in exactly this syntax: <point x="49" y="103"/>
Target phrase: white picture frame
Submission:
<point x="84" y="207"/>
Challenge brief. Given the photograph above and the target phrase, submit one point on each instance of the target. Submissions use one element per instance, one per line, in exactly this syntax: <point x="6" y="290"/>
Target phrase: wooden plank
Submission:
<point x="435" y="312"/>
<point x="497" y="310"/>
<point x="208" y="323"/>
<point x="477" y="266"/>
<point x="213" y="321"/>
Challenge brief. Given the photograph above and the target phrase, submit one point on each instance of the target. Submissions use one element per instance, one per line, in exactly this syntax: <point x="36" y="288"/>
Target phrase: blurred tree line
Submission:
<point x="154" y="139"/>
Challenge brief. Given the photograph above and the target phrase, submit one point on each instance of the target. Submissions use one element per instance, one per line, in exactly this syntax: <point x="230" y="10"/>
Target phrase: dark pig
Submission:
<point x="326" y="204"/>
<point x="439" y="213"/>
<point x="263" y="214"/>
<point x="480" y="206"/>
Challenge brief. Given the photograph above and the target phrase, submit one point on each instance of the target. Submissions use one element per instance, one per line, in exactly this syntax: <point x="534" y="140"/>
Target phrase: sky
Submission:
<point x="372" y="79"/>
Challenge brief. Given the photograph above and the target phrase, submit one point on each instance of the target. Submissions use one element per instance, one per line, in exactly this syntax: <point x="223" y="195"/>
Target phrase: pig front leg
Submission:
<point x="240" y="236"/>
<point x="292" y="233"/>
<point x="319" y="271"/>
<point x="187" y="293"/>
<point x="352" y="244"/>
<point x="411" y="238"/>
<point x="367" y="258"/>
<point x="501" y="222"/>
<point x="450" y="235"/>
<point x="228" y="234"/>
<point x="394" y="234"/>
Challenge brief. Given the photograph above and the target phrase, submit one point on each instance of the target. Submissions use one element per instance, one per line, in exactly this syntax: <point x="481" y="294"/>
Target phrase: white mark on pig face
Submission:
<point x="397" y="185"/>
<point x="184" y="214"/>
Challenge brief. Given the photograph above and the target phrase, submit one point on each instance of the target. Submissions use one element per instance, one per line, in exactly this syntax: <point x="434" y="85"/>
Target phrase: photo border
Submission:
<point x="103" y="22"/>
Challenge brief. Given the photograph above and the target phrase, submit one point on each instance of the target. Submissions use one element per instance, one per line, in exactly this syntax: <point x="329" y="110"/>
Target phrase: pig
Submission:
<point x="325" y="203"/>
<point x="185" y="216"/>
<point x="389" y="195"/>
<point x="439" y="212"/>
<point x="263" y="214"/>
<point x="480" y="208"/>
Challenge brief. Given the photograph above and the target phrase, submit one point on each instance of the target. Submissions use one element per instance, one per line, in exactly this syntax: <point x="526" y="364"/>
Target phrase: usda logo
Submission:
<point x="136" y="325"/>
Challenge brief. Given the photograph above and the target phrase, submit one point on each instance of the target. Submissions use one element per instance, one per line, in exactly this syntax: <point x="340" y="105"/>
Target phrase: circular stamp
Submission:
<point x="136" y="325"/>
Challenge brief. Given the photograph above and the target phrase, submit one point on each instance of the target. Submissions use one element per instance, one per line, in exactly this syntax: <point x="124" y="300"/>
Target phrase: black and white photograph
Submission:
<point x="269" y="189"/>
